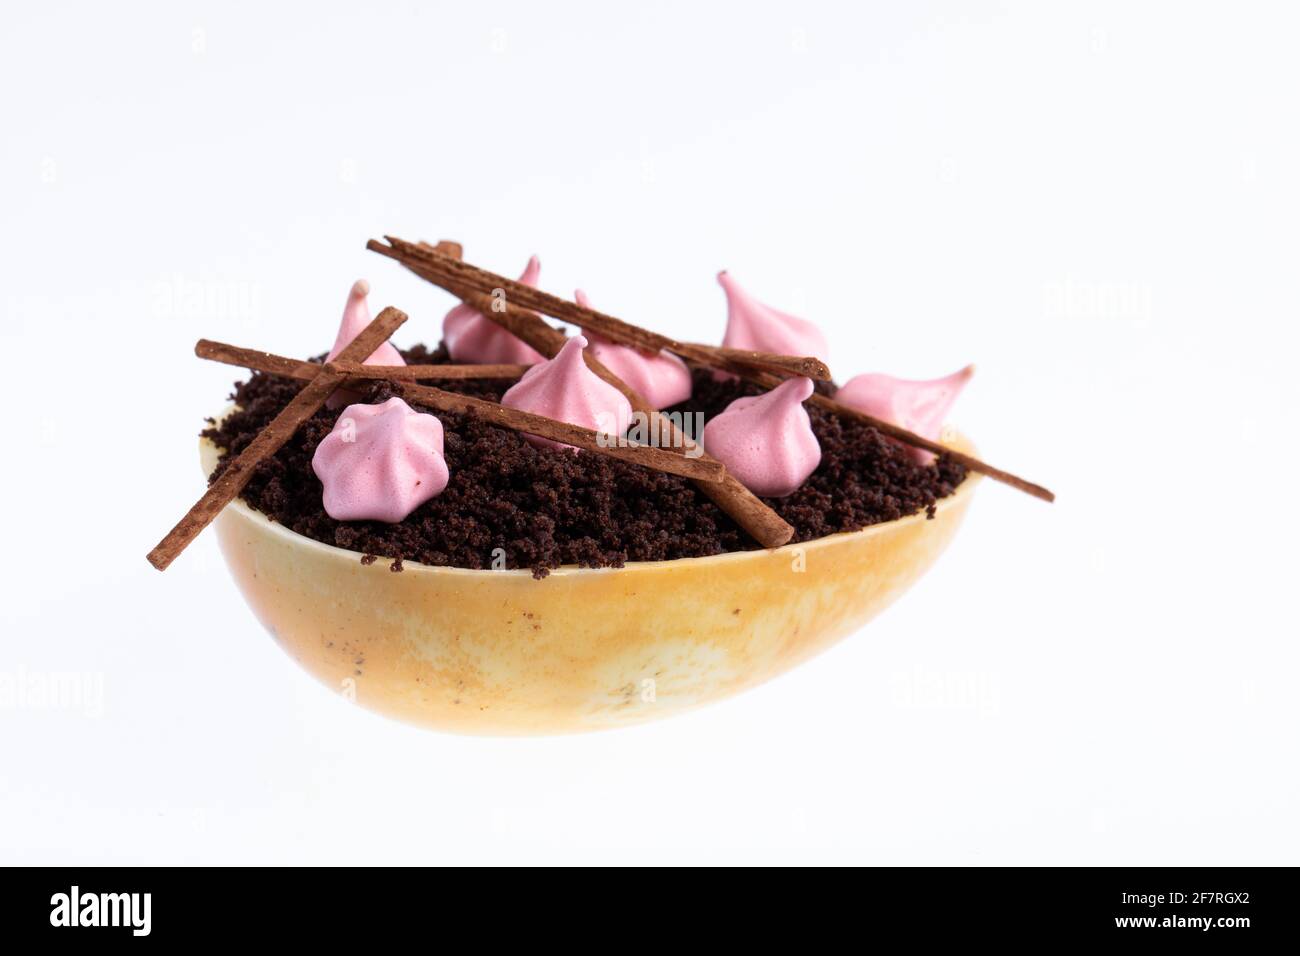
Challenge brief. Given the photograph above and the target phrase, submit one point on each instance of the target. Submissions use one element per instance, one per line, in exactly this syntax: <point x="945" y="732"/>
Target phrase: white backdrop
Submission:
<point x="1096" y="203"/>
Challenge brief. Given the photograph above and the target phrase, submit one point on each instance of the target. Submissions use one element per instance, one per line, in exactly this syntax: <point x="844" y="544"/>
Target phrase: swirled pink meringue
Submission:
<point x="920" y="407"/>
<point x="380" y="462"/>
<point x="753" y="325"/>
<point x="662" y="379"/>
<point x="356" y="316"/>
<point x="766" y="441"/>
<point x="565" y="389"/>
<point x="471" y="337"/>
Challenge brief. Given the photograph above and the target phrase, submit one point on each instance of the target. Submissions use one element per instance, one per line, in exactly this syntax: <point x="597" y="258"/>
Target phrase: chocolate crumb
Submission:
<point x="511" y="503"/>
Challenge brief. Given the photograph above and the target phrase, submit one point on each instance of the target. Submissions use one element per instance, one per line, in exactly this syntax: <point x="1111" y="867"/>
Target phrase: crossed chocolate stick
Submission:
<point x="270" y="439"/>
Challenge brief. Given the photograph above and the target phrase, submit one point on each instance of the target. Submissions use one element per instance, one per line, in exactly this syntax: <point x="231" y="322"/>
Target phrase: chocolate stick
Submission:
<point x="916" y="441"/>
<point x="806" y="366"/>
<point x="659" y="459"/>
<point x="697" y="469"/>
<point x="427" y="267"/>
<point x="909" y="438"/>
<point x="255" y="359"/>
<point x="762" y="523"/>
<point x="460" y="278"/>
<point x="270" y="439"/>
<point x="357" y="373"/>
<point x="422" y="373"/>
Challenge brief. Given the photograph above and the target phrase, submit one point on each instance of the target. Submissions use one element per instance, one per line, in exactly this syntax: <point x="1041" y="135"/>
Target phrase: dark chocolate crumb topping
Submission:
<point x="511" y="505"/>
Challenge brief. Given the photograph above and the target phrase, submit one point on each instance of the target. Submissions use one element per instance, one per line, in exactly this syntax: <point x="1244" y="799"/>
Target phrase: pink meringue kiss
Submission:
<point x="753" y="325"/>
<point x="920" y="407"/>
<point x="473" y="338"/>
<point x="766" y="441"/>
<point x="662" y="380"/>
<point x="356" y="316"/>
<point x="566" y="390"/>
<point x="380" y="462"/>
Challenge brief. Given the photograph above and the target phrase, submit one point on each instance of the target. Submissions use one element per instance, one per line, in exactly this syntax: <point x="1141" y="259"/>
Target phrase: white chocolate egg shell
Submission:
<point x="499" y="652"/>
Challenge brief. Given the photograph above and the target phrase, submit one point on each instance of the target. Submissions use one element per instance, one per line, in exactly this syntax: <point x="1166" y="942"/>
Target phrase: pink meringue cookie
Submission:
<point x="753" y="325"/>
<point x="356" y="316"/>
<point x="662" y="380"/>
<point x="565" y="389"/>
<point x="766" y="441"/>
<point x="920" y="407"/>
<point x="471" y="337"/>
<point x="380" y="462"/>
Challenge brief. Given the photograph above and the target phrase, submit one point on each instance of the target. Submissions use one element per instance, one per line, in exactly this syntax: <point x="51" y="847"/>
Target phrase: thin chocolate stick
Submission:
<point x="806" y="366"/>
<point x="521" y="323"/>
<point x="916" y="441"/>
<point x="909" y="438"/>
<point x="698" y="468"/>
<point x="659" y="459"/>
<point x="358" y="374"/>
<point x="460" y="278"/>
<point x="758" y="520"/>
<point x="421" y="373"/>
<point x="270" y="439"/>
<point x="255" y="359"/>
<point x="514" y="320"/>
<point x="464" y="275"/>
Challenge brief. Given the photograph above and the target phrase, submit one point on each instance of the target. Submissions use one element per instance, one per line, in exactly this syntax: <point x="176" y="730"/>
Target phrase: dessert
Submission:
<point x="543" y="588"/>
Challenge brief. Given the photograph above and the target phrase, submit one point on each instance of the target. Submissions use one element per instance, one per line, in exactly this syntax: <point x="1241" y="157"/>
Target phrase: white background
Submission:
<point x="1097" y="203"/>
